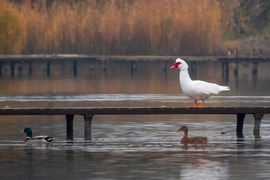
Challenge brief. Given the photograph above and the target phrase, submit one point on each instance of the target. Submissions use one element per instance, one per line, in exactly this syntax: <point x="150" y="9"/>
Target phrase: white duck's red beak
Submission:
<point x="175" y="65"/>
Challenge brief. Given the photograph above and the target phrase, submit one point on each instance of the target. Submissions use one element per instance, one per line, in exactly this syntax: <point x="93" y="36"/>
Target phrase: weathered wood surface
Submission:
<point x="133" y="110"/>
<point x="67" y="57"/>
<point x="243" y="59"/>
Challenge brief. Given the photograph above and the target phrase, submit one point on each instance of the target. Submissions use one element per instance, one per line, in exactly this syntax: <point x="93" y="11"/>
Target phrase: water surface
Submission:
<point x="137" y="146"/>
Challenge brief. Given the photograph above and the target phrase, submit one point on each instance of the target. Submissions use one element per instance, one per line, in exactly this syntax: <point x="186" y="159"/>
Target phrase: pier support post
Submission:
<point x="1" y="72"/>
<point x="75" y="68"/>
<point x="12" y="68"/>
<point x="257" y="123"/>
<point x="69" y="126"/>
<point x="87" y="126"/>
<point x="92" y="66"/>
<point x="164" y="68"/>
<point x="240" y="124"/>
<point x="133" y="69"/>
<point x="235" y="68"/>
<point x="255" y="68"/>
<point x="225" y="71"/>
<point x="20" y="68"/>
<point x="47" y="67"/>
<point x="104" y="65"/>
<point x="193" y="69"/>
<point x="104" y="68"/>
<point x="30" y="68"/>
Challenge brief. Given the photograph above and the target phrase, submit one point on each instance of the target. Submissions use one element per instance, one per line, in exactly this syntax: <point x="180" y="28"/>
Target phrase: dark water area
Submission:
<point x="135" y="146"/>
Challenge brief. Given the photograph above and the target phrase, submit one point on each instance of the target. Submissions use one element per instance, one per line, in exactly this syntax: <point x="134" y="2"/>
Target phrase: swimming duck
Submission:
<point x="196" y="90"/>
<point x="191" y="140"/>
<point x="36" y="139"/>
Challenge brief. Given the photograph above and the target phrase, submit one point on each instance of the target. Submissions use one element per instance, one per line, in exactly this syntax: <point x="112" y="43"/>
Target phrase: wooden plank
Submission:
<point x="243" y="59"/>
<point x="132" y="110"/>
<point x="60" y="57"/>
<point x="77" y="57"/>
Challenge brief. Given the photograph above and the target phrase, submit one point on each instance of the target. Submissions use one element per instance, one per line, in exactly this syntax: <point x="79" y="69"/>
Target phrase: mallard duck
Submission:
<point x="37" y="139"/>
<point x="196" y="90"/>
<point x="191" y="140"/>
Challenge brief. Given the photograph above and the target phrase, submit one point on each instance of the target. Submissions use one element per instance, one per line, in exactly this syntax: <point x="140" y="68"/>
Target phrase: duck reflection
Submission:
<point x="201" y="168"/>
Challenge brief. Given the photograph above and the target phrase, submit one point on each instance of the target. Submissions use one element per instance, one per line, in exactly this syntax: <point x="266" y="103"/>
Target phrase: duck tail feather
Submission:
<point x="224" y="88"/>
<point x="49" y="139"/>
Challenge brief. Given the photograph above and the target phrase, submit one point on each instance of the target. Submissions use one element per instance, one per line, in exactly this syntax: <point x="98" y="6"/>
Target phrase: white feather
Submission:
<point x="197" y="89"/>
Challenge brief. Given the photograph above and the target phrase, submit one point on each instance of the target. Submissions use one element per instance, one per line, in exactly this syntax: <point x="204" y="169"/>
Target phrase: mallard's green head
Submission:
<point x="28" y="132"/>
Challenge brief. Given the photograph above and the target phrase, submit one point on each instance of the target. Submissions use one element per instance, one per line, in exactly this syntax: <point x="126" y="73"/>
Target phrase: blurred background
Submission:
<point x="134" y="27"/>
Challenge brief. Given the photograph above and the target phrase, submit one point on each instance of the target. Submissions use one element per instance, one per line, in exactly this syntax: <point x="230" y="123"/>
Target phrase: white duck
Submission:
<point x="196" y="90"/>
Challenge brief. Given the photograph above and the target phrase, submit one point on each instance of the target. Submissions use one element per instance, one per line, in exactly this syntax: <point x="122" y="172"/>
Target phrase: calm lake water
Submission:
<point x="133" y="147"/>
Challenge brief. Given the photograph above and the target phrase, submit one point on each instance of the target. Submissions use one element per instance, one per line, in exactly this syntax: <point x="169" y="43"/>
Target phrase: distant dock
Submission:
<point x="89" y="113"/>
<point x="16" y="64"/>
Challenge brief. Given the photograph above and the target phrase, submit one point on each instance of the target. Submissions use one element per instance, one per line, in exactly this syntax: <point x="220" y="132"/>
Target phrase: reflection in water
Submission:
<point x="187" y="146"/>
<point x="204" y="169"/>
<point x="120" y="77"/>
<point x="137" y="160"/>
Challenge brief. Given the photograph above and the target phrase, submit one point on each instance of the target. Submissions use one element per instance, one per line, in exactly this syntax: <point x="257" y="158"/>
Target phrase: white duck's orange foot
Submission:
<point x="202" y="104"/>
<point x="196" y="104"/>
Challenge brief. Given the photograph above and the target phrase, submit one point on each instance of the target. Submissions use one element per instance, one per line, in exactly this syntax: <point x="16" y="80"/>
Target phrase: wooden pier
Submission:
<point x="16" y="64"/>
<point x="88" y="114"/>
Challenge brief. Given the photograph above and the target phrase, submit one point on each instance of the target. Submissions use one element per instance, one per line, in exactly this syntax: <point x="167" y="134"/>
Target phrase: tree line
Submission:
<point x="134" y="27"/>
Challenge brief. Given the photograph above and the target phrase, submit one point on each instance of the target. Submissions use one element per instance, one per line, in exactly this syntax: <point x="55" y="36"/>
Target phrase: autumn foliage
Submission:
<point x="12" y="31"/>
<point x="112" y="27"/>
